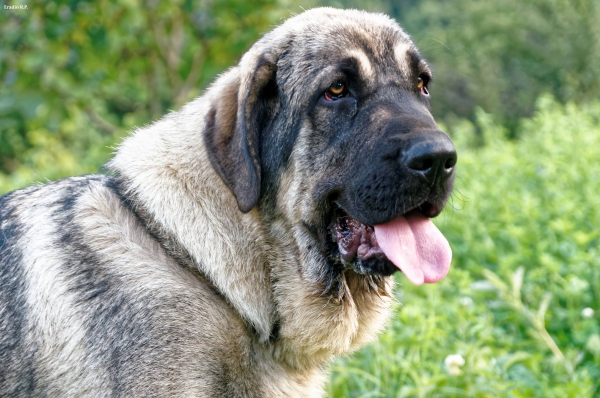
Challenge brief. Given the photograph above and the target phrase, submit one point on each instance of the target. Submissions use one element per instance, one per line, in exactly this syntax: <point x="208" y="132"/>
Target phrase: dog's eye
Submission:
<point x="337" y="88"/>
<point x="335" y="91"/>
<point x="422" y="84"/>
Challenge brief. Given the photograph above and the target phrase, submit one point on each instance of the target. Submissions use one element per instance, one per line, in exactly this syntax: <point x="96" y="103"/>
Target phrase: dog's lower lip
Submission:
<point x="356" y="240"/>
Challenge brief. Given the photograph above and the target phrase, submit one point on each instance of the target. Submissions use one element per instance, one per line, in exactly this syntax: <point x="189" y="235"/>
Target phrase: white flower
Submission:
<point x="466" y="301"/>
<point x="588" y="312"/>
<point x="453" y="364"/>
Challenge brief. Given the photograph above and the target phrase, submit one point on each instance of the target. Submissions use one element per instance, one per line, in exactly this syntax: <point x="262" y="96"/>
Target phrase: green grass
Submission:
<point x="524" y="227"/>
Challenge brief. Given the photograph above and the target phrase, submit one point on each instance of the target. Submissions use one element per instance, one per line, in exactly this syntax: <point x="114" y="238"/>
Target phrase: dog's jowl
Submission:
<point x="239" y="244"/>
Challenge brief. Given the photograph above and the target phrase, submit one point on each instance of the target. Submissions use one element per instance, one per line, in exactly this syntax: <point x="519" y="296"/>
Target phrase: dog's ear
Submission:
<point x="234" y="124"/>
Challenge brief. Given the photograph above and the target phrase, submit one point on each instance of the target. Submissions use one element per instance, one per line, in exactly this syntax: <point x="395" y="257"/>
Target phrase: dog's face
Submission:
<point x="333" y="135"/>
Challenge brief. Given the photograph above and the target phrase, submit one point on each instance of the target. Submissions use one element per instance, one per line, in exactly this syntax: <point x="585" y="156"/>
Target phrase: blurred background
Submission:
<point x="516" y="85"/>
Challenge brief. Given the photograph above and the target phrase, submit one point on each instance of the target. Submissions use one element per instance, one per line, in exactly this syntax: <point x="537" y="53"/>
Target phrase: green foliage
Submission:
<point x="523" y="225"/>
<point x="76" y="75"/>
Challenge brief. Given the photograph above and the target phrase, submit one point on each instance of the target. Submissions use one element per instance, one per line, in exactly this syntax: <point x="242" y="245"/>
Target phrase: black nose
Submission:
<point x="433" y="157"/>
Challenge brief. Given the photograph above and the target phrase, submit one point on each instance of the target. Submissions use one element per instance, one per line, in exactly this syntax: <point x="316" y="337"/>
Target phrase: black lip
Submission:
<point x="376" y="265"/>
<point x="429" y="209"/>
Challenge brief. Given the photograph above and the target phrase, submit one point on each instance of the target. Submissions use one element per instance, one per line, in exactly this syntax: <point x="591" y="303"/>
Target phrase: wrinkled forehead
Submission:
<point x="383" y="61"/>
<point x="324" y="38"/>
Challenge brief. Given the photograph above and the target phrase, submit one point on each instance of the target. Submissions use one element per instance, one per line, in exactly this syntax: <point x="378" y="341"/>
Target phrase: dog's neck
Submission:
<point x="165" y="173"/>
<point x="201" y="222"/>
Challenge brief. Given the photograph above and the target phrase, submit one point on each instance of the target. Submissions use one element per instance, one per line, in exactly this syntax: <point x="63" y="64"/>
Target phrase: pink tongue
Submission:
<point x="415" y="245"/>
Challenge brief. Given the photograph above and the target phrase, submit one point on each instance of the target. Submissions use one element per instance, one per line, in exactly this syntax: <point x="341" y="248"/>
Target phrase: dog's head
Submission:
<point x="327" y="129"/>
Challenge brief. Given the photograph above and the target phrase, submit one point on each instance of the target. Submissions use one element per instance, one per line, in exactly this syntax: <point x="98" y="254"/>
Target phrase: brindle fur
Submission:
<point x="199" y="266"/>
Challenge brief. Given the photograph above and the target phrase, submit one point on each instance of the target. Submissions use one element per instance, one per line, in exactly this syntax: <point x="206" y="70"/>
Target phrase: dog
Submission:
<point x="234" y="247"/>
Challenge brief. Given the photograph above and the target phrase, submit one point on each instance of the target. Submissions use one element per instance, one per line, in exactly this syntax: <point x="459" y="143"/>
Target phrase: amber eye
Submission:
<point x="422" y="86"/>
<point x="336" y="91"/>
<point x="337" y="88"/>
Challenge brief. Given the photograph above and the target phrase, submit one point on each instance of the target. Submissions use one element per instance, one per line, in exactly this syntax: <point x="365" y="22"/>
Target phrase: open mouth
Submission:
<point x="357" y="247"/>
<point x="410" y="243"/>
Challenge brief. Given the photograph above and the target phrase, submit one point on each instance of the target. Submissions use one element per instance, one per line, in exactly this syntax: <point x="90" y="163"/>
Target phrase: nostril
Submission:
<point x="421" y="163"/>
<point x="450" y="163"/>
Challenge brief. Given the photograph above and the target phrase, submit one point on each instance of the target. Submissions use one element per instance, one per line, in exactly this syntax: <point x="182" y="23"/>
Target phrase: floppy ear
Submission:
<point x="233" y="128"/>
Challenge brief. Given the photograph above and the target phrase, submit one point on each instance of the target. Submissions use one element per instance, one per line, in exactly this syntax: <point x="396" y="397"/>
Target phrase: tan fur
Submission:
<point x="165" y="166"/>
<point x="400" y="54"/>
<point x="365" y="65"/>
<point x="230" y="290"/>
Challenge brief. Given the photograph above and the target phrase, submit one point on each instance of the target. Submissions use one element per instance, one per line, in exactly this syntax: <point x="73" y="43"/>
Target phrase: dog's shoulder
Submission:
<point x="82" y="278"/>
<point x="86" y="221"/>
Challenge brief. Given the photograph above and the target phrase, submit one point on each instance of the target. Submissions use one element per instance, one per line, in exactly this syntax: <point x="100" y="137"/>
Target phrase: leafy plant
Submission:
<point x="76" y="76"/>
<point x="518" y="302"/>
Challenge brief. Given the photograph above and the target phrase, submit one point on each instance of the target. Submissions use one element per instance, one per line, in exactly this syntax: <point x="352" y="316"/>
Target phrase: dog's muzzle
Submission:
<point x="383" y="220"/>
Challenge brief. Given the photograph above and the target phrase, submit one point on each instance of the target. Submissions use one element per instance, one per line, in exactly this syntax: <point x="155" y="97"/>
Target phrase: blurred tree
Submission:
<point x="76" y="75"/>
